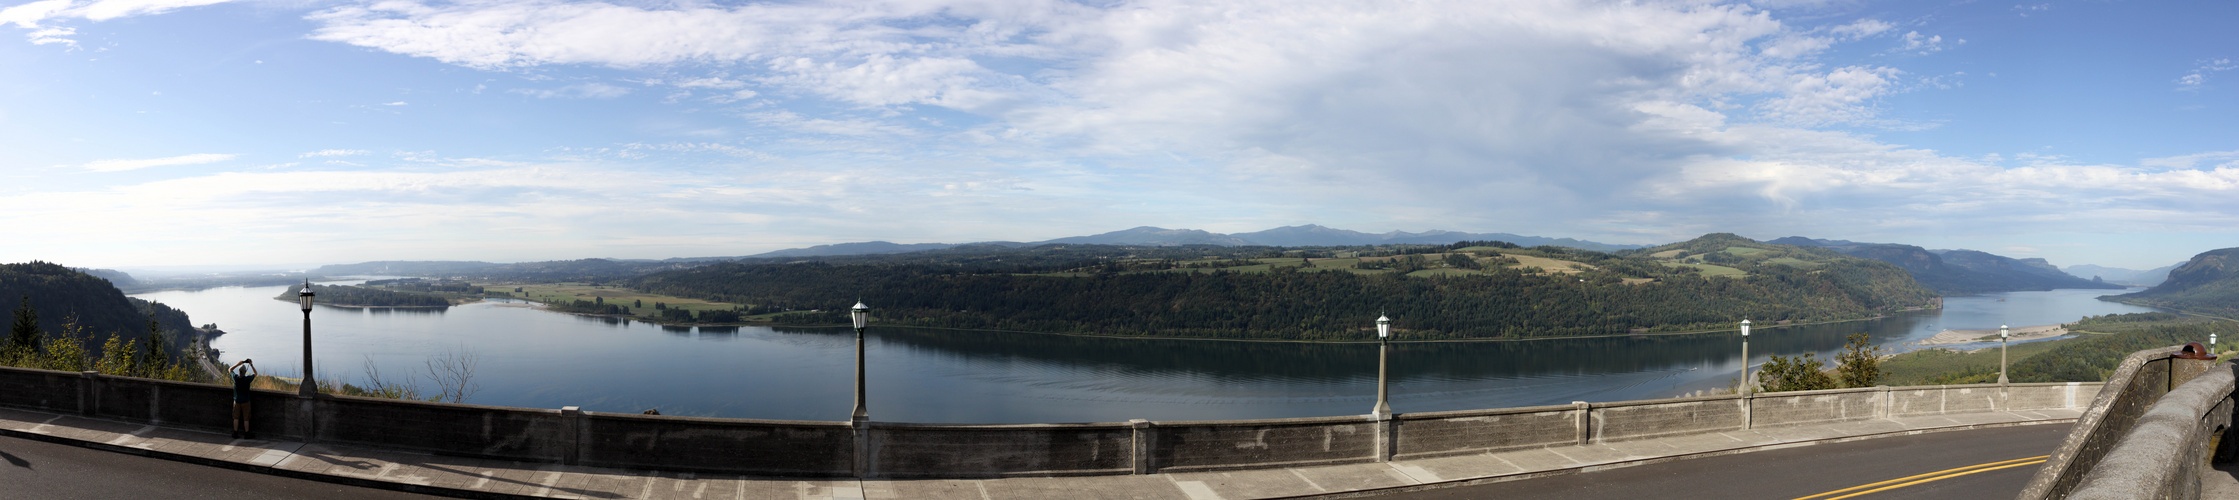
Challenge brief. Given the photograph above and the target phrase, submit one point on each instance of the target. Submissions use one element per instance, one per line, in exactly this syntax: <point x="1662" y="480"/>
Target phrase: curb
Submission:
<point x="272" y="471"/>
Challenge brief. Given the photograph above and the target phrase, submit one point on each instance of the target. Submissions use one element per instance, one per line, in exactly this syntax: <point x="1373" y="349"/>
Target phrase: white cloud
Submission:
<point x="593" y="90"/>
<point x="123" y="165"/>
<point x="398" y="103"/>
<point x="2199" y="76"/>
<point x="1919" y="44"/>
<point x="53" y="35"/>
<point x="104" y="10"/>
<point x="710" y="83"/>
<point x="334" y="152"/>
<point x="28" y="15"/>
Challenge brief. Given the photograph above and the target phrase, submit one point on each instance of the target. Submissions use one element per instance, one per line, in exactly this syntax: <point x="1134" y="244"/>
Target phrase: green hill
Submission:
<point x="2207" y="284"/>
<point x="1474" y="291"/>
<point x="59" y="294"/>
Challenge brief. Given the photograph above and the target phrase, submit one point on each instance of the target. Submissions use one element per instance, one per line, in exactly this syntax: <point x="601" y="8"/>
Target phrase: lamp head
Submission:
<point x="1745" y="328"/>
<point x="1383" y="327"/>
<point x="2002" y="333"/>
<point x="305" y="296"/>
<point x="862" y="314"/>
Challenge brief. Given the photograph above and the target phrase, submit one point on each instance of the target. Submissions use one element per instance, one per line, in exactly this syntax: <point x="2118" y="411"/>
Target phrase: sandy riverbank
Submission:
<point x="1948" y="337"/>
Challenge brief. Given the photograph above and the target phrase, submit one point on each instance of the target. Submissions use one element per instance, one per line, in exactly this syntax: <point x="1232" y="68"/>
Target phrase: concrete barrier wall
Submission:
<point x="450" y="429"/>
<point x="1234" y="444"/>
<point x="1445" y="433"/>
<point x="917" y="450"/>
<point x="2038" y="396"/>
<point x="796" y="448"/>
<point x="1666" y="417"/>
<point x="1810" y="407"/>
<point x="1937" y="400"/>
<point x="2162" y="454"/>
<point x="767" y="447"/>
<point x="2140" y="380"/>
<point x="43" y="389"/>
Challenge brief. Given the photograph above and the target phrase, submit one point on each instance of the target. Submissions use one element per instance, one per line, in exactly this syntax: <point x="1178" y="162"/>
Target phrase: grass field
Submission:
<point x="1710" y="269"/>
<point x="1546" y="264"/>
<point x="1667" y="254"/>
<point x="1744" y="250"/>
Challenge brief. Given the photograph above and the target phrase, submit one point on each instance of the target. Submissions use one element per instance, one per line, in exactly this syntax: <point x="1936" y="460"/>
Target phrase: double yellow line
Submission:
<point x="1932" y="476"/>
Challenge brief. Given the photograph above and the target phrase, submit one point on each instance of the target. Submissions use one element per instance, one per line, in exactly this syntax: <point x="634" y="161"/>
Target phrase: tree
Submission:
<point x="453" y="373"/>
<point x="1801" y="373"/>
<point x="1859" y="365"/>
<point x="24" y="334"/>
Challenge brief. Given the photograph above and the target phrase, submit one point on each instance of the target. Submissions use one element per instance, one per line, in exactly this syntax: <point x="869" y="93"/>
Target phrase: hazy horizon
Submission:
<point x="149" y="133"/>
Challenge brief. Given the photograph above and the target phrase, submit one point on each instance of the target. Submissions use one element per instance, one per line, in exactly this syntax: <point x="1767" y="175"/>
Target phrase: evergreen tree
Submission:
<point x="24" y="335"/>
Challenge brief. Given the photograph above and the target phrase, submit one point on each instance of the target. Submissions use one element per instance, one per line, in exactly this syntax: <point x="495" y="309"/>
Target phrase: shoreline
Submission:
<point x="545" y="307"/>
<point x="2019" y="334"/>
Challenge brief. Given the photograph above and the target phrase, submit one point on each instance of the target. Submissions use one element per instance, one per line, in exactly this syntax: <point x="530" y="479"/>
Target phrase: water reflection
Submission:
<point x="540" y="359"/>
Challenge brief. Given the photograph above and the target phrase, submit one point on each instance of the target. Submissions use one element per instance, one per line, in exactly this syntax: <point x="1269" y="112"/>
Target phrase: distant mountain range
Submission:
<point x="2149" y="277"/>
<point x="2209" y="283"/>
<point x="1288" y="236"/>
<point x="1958" y="271"/>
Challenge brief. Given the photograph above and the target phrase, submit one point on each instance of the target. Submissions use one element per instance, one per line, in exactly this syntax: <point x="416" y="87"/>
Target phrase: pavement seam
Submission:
<point x="1309" y="482"/>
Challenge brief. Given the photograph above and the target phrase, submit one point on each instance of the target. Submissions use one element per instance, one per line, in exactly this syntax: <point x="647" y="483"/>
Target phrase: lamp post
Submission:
<point x="2002" y="334"/>
<point x="1383" y="410"/>
<point x="862" y="314"/>
<point x="309" y="387"/>
<point x="1745" y="357"/>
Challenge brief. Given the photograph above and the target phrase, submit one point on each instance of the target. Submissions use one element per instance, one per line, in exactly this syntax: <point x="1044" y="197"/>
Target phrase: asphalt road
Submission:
<point x="43" y="470"/>
<point x="1816" y="472"/>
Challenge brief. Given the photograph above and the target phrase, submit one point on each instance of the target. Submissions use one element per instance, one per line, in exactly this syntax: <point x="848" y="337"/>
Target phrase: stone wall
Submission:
<point x="762" y="447"/>
<point x="2140" y="380"/>
<point x="2164" y="451"/>
<point x="1434" y="434"/>
<point x="798" y="448"/>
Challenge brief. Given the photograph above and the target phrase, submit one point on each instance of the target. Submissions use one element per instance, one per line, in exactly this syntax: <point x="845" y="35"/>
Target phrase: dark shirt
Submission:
<point x="241" y="387"/>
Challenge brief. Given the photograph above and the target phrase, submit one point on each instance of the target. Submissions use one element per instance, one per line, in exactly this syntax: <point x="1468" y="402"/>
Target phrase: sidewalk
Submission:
<point x="484" y="478"/>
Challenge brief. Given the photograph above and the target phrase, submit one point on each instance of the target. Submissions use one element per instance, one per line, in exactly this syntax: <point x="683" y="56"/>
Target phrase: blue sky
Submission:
<point x="209" y="132"/>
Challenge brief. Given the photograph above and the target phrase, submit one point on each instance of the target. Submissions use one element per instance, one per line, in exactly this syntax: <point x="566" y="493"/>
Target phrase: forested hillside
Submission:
<point x="2207" y="284"/>
<point x="1958" y="271"/>
<point x="351" y="296"/>
<point x="60" y="294"/>
<point x="1439" y="292"/>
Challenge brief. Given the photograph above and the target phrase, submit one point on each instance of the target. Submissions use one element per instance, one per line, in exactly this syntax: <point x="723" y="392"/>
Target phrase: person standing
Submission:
<point x="244" y="372"/>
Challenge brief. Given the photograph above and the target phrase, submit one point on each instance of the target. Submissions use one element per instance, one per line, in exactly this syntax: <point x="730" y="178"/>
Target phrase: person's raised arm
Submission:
<point x="252" y="367"/>
<point x="236" y="365"/>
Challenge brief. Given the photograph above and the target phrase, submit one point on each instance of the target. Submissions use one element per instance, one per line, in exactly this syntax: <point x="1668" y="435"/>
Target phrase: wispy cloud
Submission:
<point x="2199" y="76"/>
<point x="334" y="152"/>
<point x="592" y="90"/>
<point x="123" y="165"/>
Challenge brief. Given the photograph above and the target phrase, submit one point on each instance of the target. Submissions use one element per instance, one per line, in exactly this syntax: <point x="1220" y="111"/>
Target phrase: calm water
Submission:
<point x="539" y="359"/>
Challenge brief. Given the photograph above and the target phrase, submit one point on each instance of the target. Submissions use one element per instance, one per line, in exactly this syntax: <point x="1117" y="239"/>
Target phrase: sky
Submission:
<point x="278" y="132"/>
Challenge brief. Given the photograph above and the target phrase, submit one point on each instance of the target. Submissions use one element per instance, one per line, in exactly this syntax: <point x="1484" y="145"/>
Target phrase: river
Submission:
<point x="540" y="359"/>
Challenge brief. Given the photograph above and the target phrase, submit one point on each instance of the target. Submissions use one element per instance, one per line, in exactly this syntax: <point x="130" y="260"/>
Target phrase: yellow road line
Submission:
<point x="1999" y="465"/>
